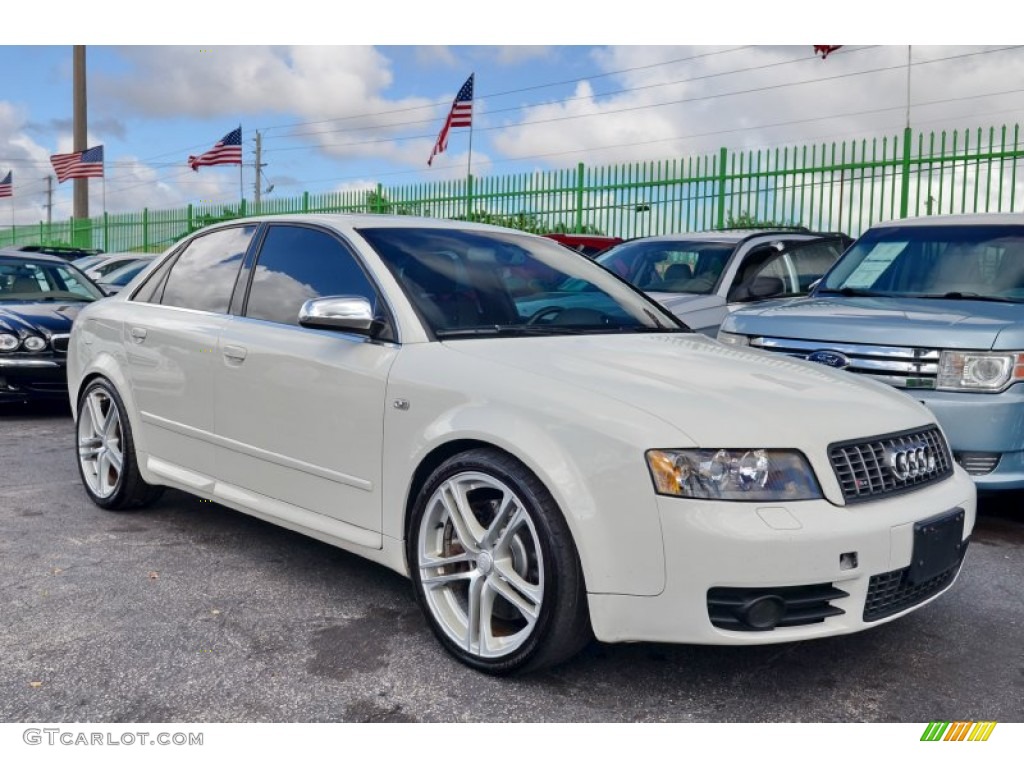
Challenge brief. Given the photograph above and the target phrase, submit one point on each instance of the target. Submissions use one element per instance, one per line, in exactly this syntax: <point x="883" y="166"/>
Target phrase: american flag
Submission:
<point x="460" y="116"/>
<point x="7" y="186"/>
<point x="227" y="151"/>
<point x="78" y="165"/>
<point x="825" y="50"/>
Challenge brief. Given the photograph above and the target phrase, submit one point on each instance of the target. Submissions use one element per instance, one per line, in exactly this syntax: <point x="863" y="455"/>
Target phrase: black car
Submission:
<point x="66" y="252"/>
<point x="40" y="296"/>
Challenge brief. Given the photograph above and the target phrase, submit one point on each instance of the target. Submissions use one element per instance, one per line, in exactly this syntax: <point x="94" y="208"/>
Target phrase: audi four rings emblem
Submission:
<point x="910" y="461"/>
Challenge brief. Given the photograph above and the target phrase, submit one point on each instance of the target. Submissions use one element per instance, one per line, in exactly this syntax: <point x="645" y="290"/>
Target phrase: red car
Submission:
<point x="588" y="245"/>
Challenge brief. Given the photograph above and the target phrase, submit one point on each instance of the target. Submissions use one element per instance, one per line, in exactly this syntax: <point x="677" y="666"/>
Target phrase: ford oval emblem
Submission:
<point x="829" y="358"/>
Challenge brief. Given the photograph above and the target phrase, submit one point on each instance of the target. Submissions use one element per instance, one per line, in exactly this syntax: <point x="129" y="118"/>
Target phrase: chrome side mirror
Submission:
<point x="344" y="313"/>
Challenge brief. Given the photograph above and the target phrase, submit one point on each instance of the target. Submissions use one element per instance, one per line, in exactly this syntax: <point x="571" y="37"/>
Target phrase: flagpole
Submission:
<point x="241" y="176"/>
<point x="469" y="159"/>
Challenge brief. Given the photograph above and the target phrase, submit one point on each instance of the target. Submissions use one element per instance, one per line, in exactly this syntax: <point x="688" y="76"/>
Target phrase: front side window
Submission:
<point x="983" y="262"/>
<point x="297" y="264"/>
<point x="204" y="275"/>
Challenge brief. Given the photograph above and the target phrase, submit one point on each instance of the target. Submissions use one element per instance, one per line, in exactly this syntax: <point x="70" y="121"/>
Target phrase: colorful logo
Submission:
<point x="958" y="731"/>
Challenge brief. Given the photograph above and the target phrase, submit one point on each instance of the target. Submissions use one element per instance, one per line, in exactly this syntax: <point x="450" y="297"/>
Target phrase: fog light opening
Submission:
<point x="847" y="561"/>
<point x="763" y="612"/>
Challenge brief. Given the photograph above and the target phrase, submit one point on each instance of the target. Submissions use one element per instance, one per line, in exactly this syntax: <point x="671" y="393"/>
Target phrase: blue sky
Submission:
<point x="350" y="115"/>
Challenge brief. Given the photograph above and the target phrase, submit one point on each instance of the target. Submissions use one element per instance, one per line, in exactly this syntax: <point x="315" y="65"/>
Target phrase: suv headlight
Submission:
<point x="736" y="339"/>
<point x="733" y="474"/>
<point x="979" y="371"/>
<point x="8" y="342"/>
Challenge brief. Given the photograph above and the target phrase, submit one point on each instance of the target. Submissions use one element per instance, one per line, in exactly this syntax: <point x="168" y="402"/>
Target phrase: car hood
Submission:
<point x="937" y="323"/>
<point x="717" y="395"/>
<point x="40" y="317"/>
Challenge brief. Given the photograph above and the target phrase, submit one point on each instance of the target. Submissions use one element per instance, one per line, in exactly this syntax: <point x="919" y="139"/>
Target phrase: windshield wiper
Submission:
<point x="965" y="296"/>
<point x="846" y="291"/>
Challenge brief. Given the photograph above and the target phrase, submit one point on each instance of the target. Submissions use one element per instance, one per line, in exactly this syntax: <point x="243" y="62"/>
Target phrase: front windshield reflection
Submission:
<point x="28" y="281"/>
<point x="983" y="262"/>
<point x="466" y="282"/>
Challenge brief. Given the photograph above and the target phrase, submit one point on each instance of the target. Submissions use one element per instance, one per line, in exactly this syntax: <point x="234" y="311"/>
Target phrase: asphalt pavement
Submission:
<point x="191" y="612"/>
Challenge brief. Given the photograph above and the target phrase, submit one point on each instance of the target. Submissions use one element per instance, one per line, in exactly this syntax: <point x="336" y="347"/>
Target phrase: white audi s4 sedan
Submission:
<point x="412" y="391"/>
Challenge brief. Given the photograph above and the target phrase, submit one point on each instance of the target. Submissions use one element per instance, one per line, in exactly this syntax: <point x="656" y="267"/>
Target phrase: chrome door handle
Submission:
<point x="138" y="335"/>
<point x="234" y="354"/>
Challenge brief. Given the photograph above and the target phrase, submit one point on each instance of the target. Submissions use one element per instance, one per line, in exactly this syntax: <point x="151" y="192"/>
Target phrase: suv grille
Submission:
<point x="890" y="464"/>
<point x="889" y="593"/>
<point x="902" y="367"/>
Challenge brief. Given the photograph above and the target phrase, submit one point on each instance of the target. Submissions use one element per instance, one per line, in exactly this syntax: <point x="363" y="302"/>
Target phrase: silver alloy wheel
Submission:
<point x="480" y="564"/>
<point x="100" y="438"/>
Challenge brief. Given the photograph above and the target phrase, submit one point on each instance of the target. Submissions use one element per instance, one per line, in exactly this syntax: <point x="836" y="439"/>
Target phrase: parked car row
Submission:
<point x="932" y="306"/>
<point x="546" y="451"/>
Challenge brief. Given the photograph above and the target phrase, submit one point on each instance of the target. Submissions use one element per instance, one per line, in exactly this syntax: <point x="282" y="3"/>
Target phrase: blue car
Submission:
<point x="933" y="306"/>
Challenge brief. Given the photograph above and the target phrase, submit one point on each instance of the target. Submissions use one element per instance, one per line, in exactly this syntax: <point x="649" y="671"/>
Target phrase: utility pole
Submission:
<point x="259" y="172"/>
<point x="49" y="202"/>
<point x="81" y="205"/>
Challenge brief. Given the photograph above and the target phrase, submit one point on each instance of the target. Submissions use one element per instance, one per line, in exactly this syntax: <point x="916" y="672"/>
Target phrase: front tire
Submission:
<point x="106" y="451"/>
<point x="494" y="566"/>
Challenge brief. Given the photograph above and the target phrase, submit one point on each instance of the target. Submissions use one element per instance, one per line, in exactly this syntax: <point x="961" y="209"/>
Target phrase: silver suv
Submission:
<point x="702" y="276"/>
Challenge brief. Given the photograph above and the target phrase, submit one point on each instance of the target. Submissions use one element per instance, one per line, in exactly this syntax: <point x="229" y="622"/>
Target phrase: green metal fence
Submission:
<point x="834" y="186"/>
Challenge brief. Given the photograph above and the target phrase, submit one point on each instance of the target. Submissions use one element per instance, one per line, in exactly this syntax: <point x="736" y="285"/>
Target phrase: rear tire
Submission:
<point x="106" y="451"/>
<point x="494" y="566"/>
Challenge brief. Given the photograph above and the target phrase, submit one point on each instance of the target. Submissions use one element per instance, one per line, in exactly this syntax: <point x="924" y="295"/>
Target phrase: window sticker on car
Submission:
<point x="874" y="264"/>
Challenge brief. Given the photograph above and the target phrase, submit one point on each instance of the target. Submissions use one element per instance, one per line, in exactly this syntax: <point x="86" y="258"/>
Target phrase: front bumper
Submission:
<point x="28" y="378"/>
<point x="978" y="424"/>
<point x="714" y="545"/>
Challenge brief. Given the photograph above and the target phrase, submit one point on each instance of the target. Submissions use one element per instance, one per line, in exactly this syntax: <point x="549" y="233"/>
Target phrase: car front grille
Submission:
<point x="902" y="367"/>
<point x="60" y="342"/>
<point x="889" y="593"/>
<point x="809" y="604"/>
<point x="890" y="464"/>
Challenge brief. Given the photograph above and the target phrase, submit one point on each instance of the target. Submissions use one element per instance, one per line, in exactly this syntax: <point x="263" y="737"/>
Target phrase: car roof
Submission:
<point x="734" y="235"/>
<point x="31" y="256"/>
<point x="349" y="221"/>
<point x="955" y="219"/>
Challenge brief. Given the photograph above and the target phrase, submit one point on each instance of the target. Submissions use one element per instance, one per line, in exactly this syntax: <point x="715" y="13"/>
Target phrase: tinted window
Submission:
<point x="204" y="275"/>
<point x="297" y="264"/>
<point x="683" y="266"/>
<point x="468" y="283"/>
<point x="43" y="281"/>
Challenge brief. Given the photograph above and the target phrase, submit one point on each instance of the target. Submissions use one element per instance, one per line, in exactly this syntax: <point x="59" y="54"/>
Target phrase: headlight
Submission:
<point x="8" y="342"/>
<point x="736" y="339"/>
<point x="733" y="474"/>
<point x="979" y="371"/>
<point x="34" y="344"/>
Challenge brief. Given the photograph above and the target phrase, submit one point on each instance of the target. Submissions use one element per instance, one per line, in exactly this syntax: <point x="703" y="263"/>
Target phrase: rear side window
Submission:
<point x="204" y="275"/>
<point x="297" y="264"/>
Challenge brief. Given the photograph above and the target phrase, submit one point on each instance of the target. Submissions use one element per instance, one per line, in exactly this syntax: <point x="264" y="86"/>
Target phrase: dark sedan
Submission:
<point x="40" y="296"/>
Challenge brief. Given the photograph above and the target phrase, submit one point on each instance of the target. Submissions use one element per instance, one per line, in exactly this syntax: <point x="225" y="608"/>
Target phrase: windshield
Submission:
<point x="22" y="280"/>
<point x="476" y="282"/>
<point x="983" y="262"/>
<point x="669" y="266"/>
<point x="126" y="272"/>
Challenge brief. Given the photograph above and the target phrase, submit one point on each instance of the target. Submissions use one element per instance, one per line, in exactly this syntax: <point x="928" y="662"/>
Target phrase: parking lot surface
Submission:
<point x="191" y="612"/>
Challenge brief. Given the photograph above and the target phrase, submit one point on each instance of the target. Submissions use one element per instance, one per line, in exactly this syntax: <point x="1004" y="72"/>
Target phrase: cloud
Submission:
<point x="760" y="96"/>
<point x="511" y="55"/>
